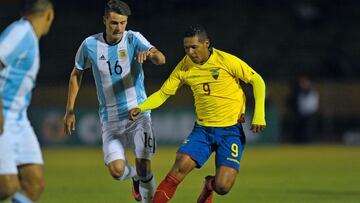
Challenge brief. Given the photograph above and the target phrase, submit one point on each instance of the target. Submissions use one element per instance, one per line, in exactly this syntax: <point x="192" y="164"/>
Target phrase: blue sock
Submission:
<point x="20" y="198"/>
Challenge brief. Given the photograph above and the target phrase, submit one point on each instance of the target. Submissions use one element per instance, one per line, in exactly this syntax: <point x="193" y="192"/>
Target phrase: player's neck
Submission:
<point x="111" y="41"/>
<point x="36" y="24"/>
<point x="206" y="58"/>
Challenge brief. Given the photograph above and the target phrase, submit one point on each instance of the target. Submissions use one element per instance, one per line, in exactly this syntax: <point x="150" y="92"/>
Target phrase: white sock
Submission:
<point x="20" y="198"/>
<point x="129" y="172"/>
<point x="147" y="189"/>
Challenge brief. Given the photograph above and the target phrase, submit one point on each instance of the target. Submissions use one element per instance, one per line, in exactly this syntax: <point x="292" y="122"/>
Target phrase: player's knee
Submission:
<point x="116" y="171"/>
<point x="222" y="189"/>
<point x="7" y="189"/>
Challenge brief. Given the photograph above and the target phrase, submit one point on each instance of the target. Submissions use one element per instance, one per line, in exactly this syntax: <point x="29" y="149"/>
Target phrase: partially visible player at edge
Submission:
<point x="213" y="76"/>
<point x="21" y="162"/>
<point x="115" y="57"/>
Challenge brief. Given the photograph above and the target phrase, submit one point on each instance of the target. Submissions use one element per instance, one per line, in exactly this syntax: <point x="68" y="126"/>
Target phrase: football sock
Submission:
<point x="166" y="189"/>
<point x="20" y="198"/>
<point x="129" y="172"/>
<point x="147" y="188"/>
<point x="210" y="184"/>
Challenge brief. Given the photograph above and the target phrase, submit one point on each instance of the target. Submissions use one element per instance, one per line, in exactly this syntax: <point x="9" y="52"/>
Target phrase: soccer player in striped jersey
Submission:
<point x="21" y="162"/>
<point x="213" y="76"/>
<point x="116" y="57"/>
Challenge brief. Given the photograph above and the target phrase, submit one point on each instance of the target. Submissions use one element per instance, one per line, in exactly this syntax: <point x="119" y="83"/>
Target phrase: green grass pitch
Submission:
<point x="282" y="173"/>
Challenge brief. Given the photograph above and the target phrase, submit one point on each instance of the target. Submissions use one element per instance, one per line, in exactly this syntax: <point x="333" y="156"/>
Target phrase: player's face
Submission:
<point x="196" y="50"/>
<point x="115" y="25"/>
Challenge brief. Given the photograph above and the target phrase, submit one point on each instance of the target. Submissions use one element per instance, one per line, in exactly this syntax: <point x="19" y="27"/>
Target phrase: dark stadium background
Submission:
<point x="280" y="39"/>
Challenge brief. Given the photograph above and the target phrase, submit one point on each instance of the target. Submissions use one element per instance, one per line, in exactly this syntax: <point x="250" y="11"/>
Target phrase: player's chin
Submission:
<point x="195" y="59"/>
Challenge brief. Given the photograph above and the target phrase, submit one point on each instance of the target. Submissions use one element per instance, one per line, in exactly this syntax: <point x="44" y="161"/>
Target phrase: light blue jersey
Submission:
<point x="119" y="78"/>
<point x="19" y="52"/>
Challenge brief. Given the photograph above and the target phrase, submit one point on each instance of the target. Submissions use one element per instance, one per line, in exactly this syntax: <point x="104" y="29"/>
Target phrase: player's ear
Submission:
<point x="50" y="14"/>
<point x="104" y="19"/>
<point x="207" y="43"/>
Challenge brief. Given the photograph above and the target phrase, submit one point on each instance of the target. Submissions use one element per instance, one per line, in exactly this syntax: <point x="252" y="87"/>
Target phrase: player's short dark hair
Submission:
<point x="197" y="30"/>
<point x="35" y="7"/>
<point x="118" y="7"/>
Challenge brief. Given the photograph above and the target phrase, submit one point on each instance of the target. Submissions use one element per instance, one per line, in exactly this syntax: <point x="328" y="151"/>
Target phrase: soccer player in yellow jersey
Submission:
<point x="213" y="76"/>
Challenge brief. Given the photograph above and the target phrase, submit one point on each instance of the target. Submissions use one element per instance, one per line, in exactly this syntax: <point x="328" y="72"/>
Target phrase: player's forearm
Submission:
<point x="259" y="94"/>
<point x="74" y="86"/>
<point x="153" y="101"/>
<point x="156" y="57"/>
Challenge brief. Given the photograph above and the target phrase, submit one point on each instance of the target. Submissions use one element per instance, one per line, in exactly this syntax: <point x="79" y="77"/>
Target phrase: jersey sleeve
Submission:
<point x="141" y="43"/>
<point x="174" y="81"/>
<point x="14" y="41"/>
<point x="81" y="59"/>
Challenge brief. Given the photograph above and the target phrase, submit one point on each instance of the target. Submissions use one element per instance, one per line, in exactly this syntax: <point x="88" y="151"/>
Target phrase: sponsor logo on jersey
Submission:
<point x="102" y="57"/>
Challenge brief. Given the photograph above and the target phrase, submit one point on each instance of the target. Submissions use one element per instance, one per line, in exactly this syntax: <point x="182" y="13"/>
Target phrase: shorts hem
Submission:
<point x="237" y="169"/>
<point x="197" y="163"/>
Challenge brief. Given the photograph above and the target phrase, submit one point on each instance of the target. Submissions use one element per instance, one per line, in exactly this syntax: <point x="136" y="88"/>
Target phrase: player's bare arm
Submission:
<point x="74" y="86"/>
<point x="258" y="123"/>
<point x="154" y="55"/>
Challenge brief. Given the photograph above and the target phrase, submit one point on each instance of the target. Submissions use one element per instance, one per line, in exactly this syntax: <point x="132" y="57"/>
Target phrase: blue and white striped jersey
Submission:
<point x="119" y="78"/>
<point x="19" y="52"/>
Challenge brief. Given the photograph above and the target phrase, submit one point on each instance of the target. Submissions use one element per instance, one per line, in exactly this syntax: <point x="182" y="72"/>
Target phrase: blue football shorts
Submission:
<point x="227" y="142"/>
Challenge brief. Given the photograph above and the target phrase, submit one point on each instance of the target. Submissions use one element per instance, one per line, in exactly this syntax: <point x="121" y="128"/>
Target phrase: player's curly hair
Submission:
<point x="118" y="7"/>
<point x="197" y="30"/>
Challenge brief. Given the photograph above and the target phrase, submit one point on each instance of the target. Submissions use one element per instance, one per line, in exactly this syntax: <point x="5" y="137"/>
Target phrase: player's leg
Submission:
<point x="221" y="183"/>
<point x="224" y="179"/>
<point x="193" y="153"/>
<point x="114" y="153"/>
<point x="144" y="184"/>
<point x="31" y="182"/>
<point x="144" y="145"/>
<point x="119" y="169"/>
<point x="30" y="166"/>
<point x="8" y="170"/>
<point x="183" y="165"/>
<point x="9" y="185"/>
<point x="231" y="142"/>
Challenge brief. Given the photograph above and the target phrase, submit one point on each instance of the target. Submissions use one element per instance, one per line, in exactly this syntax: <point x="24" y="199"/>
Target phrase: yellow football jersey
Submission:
<point x="219" y="98"/>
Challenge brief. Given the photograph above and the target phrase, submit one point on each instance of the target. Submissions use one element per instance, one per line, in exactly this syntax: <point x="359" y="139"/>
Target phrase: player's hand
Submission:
<point x="69" y="123"/>
<point x="142" y="56"/>
<point x="134" y="113"/>
<point x="255" y="128"/>
<point x="241" y="118"/>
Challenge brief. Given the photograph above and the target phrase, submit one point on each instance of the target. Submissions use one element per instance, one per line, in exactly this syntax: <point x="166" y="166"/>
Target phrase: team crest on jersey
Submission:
<point x="122" y="54"/>
<point x="215" y="73"/>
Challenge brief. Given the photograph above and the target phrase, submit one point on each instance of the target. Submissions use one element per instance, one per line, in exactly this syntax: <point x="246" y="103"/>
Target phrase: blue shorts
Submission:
<point x="227" y="142"/>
